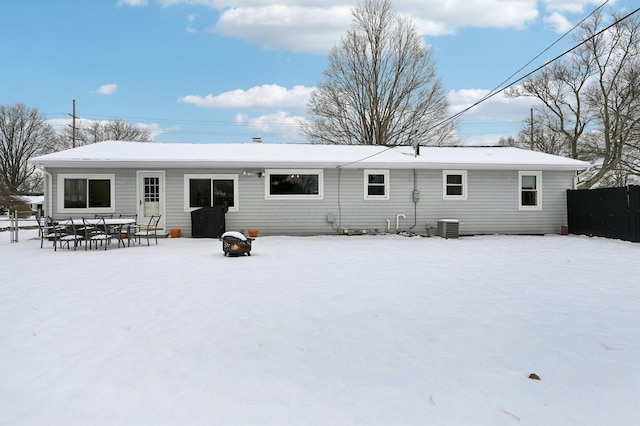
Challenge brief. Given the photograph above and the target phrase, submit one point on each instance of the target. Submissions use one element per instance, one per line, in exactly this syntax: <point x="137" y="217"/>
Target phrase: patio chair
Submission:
<point x="71" y="234"/>
<point x="96" y="232"/>
<point x="150" y="231"/>
<point x="47" y="230"/>
<point x="112" y="228"/>
<point x="130" y="229"/>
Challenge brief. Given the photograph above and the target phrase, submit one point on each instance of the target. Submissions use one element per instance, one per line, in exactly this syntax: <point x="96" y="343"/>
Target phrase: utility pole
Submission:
<point x="73" y="125"/>
<point x="531" y="129"/>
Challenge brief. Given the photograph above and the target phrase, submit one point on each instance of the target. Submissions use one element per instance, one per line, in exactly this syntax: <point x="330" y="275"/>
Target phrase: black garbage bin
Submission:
<point x="208" y="222"/>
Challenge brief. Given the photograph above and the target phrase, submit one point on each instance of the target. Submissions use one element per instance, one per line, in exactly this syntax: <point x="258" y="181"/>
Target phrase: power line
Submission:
<point x="505" y="86"/>
<point x="488" y="95"/>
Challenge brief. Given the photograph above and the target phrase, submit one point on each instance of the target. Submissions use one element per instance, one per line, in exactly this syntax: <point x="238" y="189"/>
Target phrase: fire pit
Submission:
<point x="235" y="244"/>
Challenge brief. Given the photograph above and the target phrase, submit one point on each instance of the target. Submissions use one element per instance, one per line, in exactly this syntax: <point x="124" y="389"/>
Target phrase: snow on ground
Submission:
<point x="334" y="330"/>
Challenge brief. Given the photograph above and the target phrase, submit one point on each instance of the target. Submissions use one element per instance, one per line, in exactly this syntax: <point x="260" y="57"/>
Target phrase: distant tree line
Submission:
<point x="25" y="133"/>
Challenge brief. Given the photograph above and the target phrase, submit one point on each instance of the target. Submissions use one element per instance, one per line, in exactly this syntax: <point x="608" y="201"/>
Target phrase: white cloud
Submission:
<point x="107" y="89"/>
<point x="191" y="19"/>
<point x="132" y="2"/>
<point x="558" y="22"/>
<point x="571" y="6"/>
<point x="154" y="129"/>
<point x="317" y="25"/>
<point x="265" y="97"/>
<point x="283" y="27"/>
<point x="280" y="125"/>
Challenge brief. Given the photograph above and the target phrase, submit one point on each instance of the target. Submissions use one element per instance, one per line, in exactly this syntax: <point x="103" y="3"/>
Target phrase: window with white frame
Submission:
<point x="203" y="190"/>
<point x="454" y="184"/>
<point x="293" y="184"/>
<point x="376" y="184"/>
<point x="86" y="193"/>
<point x="529" y="190"/>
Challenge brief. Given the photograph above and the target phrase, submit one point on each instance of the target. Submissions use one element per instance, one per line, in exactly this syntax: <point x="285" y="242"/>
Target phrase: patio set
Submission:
<point x="100" y="230"/>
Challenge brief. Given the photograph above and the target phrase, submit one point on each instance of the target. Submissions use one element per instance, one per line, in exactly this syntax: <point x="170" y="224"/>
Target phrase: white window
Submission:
<point x="376" y="184"/>
<point x="529" y="190"/>
<point x="210" y="191"/>
<point x="93" y="193"/>
<point x="454" y="184"/>
<point x="293" y="184"/>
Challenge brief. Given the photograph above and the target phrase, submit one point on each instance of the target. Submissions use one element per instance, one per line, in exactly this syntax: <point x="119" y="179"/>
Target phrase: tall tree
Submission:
<point x="592" y="98"/>
<point x="24" y="133"/>
<point x="381" y="86"/>
<point x="114" y="130"/>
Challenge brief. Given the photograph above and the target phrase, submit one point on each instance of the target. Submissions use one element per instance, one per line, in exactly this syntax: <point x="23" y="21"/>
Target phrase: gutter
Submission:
<point x="172" y="164"/>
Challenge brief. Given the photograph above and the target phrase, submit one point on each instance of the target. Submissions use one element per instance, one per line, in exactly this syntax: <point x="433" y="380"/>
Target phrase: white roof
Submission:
<point x="33" y="199"/>
<point x="265" y="155"/>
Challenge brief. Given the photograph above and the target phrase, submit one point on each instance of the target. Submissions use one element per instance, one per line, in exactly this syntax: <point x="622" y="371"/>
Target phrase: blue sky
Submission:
<point x="210" y="71"/>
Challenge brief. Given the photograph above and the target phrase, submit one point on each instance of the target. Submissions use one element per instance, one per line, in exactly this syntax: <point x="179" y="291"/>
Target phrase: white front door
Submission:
<point x="150" y="196"/>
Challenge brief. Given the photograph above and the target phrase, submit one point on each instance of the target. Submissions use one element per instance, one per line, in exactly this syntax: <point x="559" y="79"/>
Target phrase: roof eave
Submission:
<point x="105" y="163"/>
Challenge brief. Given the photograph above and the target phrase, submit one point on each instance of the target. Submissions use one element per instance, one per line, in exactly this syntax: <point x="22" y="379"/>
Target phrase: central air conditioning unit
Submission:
<point x="448" y="228"/>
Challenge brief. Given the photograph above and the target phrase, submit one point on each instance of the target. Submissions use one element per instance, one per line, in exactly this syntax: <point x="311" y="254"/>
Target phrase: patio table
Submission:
<point x="117" y="224"/>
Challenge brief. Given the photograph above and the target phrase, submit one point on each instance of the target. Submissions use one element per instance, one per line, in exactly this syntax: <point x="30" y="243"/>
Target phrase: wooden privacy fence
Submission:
<point x="605" y="212"/>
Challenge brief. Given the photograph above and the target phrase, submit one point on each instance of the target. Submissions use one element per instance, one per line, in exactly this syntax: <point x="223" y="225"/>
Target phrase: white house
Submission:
<point x="305" y="189"/>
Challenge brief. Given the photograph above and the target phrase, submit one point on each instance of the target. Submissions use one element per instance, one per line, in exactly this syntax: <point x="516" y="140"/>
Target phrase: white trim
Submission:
<point x="88" y="210"/>
<point x="538" y="176"/>
<point x="236" y="191"/>
<point x="267" y="184"/>
<point x="367" y="173"/>
<point x="462" y="173"/>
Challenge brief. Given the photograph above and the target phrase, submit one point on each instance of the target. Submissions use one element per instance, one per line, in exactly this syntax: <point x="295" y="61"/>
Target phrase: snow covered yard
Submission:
<point x="369" y="330"/>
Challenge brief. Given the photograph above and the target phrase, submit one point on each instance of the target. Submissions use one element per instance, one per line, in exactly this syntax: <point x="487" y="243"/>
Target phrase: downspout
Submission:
<point x="339" y="201"/>
<point x="48" y="192"/>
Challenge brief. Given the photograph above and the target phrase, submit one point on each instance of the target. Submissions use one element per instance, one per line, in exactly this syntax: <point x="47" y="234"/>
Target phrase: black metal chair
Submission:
<point x="149" y="231"/>
<point x="72" y="234"/>
<point x="129" y="230"/>
<point x="96" y="232"/>
<point x="47" y="228"/>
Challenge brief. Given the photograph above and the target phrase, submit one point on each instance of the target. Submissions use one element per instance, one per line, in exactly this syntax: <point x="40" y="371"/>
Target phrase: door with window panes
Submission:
<point x="150" y="196"/>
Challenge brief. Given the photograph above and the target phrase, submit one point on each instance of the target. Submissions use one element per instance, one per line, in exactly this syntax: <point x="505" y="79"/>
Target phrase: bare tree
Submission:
<point x="98" y="131"/>
<point x="559" y="89"/>
<point x="541" y="139"/>
<point x="615" y="96"/>
<point x="381" y="86"/>
<point x="592" y="98"/>
<point x="24" y="133"/>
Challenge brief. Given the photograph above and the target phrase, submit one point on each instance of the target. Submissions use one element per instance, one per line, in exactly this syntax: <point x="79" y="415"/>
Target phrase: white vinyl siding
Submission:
<point x="491" y="206"/>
